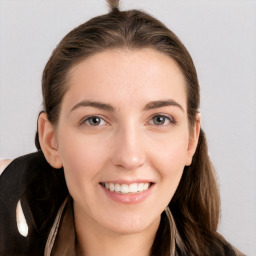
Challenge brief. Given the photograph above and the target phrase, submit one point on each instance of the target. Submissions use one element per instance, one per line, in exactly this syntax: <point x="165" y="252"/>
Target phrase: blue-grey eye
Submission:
<point x="161" y="120"/>
<point x="94" y="121"/>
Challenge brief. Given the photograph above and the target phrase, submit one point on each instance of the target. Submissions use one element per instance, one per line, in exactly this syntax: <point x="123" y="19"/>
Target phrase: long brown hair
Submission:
<point x="196" y="204"/>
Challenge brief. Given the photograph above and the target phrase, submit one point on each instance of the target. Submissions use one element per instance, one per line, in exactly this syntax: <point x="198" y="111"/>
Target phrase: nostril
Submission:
<point x="21" y="221"/>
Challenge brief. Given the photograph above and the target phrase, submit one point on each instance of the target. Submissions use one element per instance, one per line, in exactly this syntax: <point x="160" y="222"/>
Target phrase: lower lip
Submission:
<point x="128" y="198"/>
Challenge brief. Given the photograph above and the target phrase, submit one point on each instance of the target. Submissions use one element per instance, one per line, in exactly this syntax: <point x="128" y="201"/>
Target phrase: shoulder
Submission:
<point x="32" y="182"/>
<point x="3" y="164"/>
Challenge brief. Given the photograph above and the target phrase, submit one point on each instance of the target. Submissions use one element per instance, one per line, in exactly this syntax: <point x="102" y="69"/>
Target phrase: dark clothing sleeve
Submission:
<point x="41" y="190"/>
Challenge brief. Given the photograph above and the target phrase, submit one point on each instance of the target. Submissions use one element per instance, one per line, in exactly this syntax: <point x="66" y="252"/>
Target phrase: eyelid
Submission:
<point x="167" y="116"/>
<point x="86" y="118"/>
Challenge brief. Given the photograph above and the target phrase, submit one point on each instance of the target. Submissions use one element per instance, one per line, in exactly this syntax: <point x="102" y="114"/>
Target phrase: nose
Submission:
<point x="129" y="151"/>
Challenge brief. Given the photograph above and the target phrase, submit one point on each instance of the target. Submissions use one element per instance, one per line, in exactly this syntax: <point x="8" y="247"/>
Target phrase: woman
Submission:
<point x="122" y="164"/>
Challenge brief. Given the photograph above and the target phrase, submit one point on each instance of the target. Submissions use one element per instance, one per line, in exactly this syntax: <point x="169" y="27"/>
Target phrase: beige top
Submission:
<point x="62" y="238"/>
<point x="63" y="229"/>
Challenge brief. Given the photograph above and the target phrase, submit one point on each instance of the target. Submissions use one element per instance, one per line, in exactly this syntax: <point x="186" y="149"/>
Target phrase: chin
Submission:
<point x="125" y="225"/>
<point x="127" y="230"/>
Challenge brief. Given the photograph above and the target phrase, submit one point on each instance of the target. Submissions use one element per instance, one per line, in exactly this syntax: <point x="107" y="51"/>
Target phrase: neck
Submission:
<point x="94" y="240"/>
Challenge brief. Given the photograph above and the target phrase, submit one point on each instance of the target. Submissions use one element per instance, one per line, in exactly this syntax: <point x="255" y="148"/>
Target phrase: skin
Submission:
<point x="127" y="144"/>
<point x="3" y="164"/>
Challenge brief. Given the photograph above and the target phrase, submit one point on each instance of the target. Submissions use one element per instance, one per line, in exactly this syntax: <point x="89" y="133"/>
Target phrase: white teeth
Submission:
<point x="145" y="186"/>
<point x="133" y="187"/>
<point x="125" y="188"/>
<point x="140" y="187"/>
<point x="117" y="188"/>
<point x="111" y="186"/>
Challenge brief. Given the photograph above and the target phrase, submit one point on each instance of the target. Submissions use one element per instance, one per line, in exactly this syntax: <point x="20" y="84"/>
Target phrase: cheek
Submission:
<point x="170" y="151"/>
<point x="170" y="165"/>
<point x="169" y="157"/>
<point x="81" y="156"/>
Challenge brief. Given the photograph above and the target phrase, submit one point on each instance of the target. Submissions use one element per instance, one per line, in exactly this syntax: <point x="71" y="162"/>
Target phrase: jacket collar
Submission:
<point x="62" y="237"/>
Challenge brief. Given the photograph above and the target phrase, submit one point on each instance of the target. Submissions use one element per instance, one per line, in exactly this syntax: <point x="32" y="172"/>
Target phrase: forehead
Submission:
<point x="124" y="75"/>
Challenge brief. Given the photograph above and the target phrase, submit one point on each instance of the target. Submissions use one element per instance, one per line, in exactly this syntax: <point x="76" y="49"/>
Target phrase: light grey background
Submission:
<point x="221" y="37"/>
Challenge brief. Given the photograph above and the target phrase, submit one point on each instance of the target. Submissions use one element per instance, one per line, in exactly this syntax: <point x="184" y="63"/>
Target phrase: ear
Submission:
<point x="193" y="140"/>
<point x="48" y="142"/>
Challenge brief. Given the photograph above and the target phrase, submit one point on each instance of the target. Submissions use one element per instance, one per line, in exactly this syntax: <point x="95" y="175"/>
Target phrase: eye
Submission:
<point x="94" y="121"/>
<point x="161" y="120"/>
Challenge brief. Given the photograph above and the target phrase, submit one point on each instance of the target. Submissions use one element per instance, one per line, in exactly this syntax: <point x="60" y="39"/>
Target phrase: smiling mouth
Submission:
<point x="127" y="188"/>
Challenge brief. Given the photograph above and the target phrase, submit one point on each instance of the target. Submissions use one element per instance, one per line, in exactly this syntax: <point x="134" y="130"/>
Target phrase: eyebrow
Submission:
<point x="162" y="103"/>
<point x="94" y="104"/>
<point x="110" y="108"/>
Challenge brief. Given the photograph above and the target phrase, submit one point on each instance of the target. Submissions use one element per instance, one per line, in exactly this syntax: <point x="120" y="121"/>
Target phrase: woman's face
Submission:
<point x="123" y="137"/>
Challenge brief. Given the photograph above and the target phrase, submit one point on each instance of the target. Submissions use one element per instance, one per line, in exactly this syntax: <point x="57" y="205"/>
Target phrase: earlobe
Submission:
<point x="193" y="141"/>
<point x="48" y="142"/>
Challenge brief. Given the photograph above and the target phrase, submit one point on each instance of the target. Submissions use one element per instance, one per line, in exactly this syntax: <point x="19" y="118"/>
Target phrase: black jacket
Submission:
<point x="41" y="189"/>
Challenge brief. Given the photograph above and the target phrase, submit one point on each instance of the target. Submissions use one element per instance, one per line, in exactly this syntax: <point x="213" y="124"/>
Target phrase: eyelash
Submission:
<point x="170" y="119"/>
<point x="87" y="120"/>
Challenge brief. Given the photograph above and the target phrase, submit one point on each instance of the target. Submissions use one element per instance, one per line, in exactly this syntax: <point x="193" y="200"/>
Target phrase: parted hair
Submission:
<point x="195" y="205"/>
